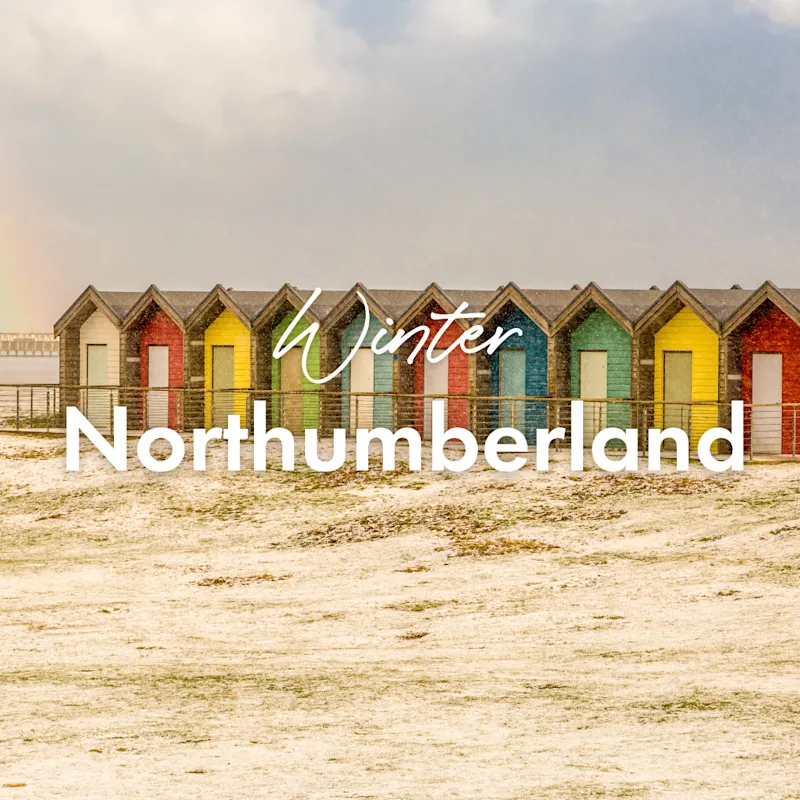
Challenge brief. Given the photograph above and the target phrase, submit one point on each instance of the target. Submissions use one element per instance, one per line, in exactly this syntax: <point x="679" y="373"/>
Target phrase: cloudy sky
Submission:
<point x="472" y="142"/>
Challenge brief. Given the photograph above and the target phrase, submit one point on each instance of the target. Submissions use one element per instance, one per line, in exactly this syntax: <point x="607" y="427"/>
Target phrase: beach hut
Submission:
<point x="367" y="373"/>
<point x="593" y="340"/>
<point x="153" y="347"/>
<point x="219" y="360"/>
<point x="295" y="402"/>
<point x="763" y="345"/>
<point x="679" y="337"/>
<point x="452" y="373"/>
<point x="518" y="368"/>
<point x="89" y="336"/>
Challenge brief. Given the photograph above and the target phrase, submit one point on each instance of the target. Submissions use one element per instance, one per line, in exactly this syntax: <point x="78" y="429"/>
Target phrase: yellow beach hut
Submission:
<point x="219" y="334"/>
<point x="679" y="340"/>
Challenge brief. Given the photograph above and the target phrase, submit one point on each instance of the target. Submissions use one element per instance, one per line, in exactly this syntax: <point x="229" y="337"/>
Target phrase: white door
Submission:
<point x="158" y="376"/>
<point x="767" y="390"/>
<point x="594" y="385"/>
<point x="362" y="379"/>
<point x="98" y="402"/>
<point x="435" y="383"/>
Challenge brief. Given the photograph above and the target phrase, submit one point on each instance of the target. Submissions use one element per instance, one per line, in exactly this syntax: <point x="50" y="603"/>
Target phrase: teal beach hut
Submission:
<point x="593" y="339"/>
<point x="367" y="374"/>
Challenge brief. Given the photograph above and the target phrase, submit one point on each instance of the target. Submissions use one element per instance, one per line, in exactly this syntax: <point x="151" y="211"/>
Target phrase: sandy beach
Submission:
<point x="406" y="635"/>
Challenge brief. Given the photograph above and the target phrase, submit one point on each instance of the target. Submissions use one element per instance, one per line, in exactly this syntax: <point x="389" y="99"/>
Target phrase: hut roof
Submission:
<point x="184" y="303"/>
<point x="722" y="303"/>
<point x="551" y="302"/>
<point x="395" y="302"/>
<point x="250" y="303"/>
<point x="793" y="296"/>
<point x="633" y="302"/>
<point x="120" y="302"/>
<point x="324" y="304"/>
<point x="478" y="299"/>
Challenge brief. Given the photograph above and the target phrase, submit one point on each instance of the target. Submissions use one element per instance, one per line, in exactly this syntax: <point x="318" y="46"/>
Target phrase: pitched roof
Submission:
<point x="478" y="299"/>
<point x="551" y="302"/>
<point x="324" y="304"/>
<point x="633" y="302"/>
<point x="184" y="303"/>
<point x="722" y="302"/>
<point x="250" y="303"/>
<point x="120" y="302"/>
<point x="793" y="296"/>
<point x="395" y="302"/>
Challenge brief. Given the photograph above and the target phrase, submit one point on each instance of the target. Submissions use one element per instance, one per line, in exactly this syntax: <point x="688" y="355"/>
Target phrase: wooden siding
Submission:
<point x="227" y="329"/>
<point x="534" y="342"/>
<point x="457" y="373"/>
<point x="382" y="371"/>
<point x="775" y="333"/>
<point x="600" y="332"/>
<point x="99" y="329"/>
<point x="310" y="402"/>
<point x="687" y="332"/>
<point x="161" y="330"/>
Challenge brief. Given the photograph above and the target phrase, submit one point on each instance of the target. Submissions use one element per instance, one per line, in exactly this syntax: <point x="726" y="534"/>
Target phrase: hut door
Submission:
<point x="435" y="383"/>
<point x="362" y="379"/>
<point x="98" y="404"/>
<point x="291" y="367"/>
<point x="158" y="376"/>
<point x="594" y="386"/>
<point x="677" y="389"/>
<point x="512" y="384"/>
<point x="767" y="391"/>
<point x="222" y="380"/>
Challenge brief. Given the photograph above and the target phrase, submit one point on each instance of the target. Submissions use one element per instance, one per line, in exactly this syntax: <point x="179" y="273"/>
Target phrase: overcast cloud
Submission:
<point x="253" y="142"/>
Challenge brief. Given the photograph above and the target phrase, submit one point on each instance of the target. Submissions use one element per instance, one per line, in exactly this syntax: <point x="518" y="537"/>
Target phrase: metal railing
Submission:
<point x="769" y="430"/>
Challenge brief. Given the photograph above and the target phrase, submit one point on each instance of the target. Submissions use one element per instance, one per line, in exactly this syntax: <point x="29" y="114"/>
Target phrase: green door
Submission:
<point x="221" y="380"/>
<point x="677" y="389"/>
<point x="512" y="384"/>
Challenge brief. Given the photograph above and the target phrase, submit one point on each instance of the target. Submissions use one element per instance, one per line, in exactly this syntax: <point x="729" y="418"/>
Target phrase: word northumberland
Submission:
<point x="624" y="456"/>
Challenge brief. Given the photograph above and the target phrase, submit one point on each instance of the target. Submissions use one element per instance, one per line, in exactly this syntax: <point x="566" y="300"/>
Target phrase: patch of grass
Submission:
<point x="417" y="568"/>
<point x="469" y="528"/>
<point x="417" y="606"/>
<point x="242" y="580"/>
<point x="500" y="546"/>
<point x="410" y="636"/>
<point x="785" y="529"/>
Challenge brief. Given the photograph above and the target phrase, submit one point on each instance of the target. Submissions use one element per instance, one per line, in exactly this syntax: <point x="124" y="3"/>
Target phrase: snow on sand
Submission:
<point x="346" y="635"/>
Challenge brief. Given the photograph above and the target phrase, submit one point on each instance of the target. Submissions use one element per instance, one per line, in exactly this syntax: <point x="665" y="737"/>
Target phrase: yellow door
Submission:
<point x="227" y="331"/>
<point x="687" y="334"/>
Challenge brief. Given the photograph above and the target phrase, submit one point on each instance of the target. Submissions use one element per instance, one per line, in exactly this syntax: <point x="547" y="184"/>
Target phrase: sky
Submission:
<point x="472" y="142"/>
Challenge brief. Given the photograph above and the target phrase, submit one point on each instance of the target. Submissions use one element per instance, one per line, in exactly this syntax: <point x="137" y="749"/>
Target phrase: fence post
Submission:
<point x="48" y="411"/>
<point x="645" y="438"/>
<point x="558" y="423"/>
<point x="32" y="425"/>
<point x="689" y="426"/>
<point x="17" y="407"/>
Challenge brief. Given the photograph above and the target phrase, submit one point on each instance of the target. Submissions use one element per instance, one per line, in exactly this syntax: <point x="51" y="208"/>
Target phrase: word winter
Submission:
<point x="472" y="334"/>
<point x="116" y="452"/>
